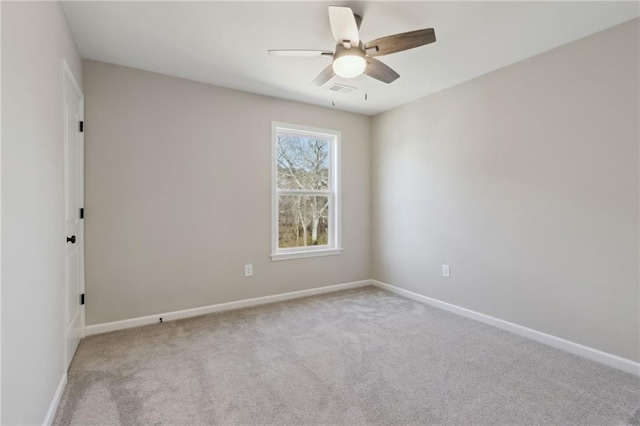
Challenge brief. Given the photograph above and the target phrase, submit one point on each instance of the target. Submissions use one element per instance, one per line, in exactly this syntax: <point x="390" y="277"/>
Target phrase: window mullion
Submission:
<point x="326" y="193"/>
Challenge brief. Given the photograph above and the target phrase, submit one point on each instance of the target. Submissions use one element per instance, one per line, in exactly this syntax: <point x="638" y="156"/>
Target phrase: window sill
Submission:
<point x="307" y="253"/>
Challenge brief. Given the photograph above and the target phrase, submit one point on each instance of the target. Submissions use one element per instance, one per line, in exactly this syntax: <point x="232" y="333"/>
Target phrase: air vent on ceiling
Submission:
<point x="342" y="88"/>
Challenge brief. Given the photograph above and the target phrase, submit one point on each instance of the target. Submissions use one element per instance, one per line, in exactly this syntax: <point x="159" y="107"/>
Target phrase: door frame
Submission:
<point x="68" y="74"/>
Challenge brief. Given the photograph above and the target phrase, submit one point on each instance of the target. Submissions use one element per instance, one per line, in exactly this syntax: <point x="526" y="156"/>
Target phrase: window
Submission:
<point x="306" y="199"/>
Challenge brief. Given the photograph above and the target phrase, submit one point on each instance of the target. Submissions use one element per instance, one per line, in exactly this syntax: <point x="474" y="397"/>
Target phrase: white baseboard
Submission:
<point x="575" y="348"/>
<point x="548" y="339"/>
<point x="245" y="303"/>
<point x="53" y="407"/>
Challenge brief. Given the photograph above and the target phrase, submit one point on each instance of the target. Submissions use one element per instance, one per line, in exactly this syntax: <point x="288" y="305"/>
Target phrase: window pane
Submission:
<point x="303" y="220"/>
<point x="303" y="162"/>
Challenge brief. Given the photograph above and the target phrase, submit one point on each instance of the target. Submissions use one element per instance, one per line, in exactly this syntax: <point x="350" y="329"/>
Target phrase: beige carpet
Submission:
<point x="362" y="356"/>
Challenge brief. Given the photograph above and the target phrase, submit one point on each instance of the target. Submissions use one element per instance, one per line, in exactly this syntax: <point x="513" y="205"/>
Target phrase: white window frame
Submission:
<point x="335" y="204"/>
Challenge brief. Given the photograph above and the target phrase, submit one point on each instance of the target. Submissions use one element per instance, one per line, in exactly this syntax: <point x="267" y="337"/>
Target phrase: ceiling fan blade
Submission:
<point x="399" y="42"/>
<point x="344" y="25"/>
<point x="299" y="53"/>
<point x="380" y="71"/>
<point x="324" y="76"/>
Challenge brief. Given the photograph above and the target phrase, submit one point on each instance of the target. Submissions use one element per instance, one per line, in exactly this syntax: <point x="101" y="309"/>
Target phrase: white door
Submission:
<point x="73" y="106"/>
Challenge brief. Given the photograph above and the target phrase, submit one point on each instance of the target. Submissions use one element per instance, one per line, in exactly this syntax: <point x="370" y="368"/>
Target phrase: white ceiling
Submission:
<point x="225" y="43"/>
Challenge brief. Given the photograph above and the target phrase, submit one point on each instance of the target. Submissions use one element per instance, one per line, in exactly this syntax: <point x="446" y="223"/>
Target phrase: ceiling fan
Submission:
<point x="352" y="57"/>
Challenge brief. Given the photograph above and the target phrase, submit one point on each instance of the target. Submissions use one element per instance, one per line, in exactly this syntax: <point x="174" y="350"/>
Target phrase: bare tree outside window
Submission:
<point x="303" y="164"/>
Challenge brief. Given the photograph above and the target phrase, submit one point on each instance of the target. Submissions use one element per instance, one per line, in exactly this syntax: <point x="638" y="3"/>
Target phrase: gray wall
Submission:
<point x="35" y="37"/>
<point x="525" y="181"/>
<point x="178" y="195"/>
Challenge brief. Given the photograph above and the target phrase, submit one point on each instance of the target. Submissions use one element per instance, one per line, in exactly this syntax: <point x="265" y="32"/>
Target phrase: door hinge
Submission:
<point x="81" y="212"/>
<point x="82" y="299"/>
<point x="82" y="127"/>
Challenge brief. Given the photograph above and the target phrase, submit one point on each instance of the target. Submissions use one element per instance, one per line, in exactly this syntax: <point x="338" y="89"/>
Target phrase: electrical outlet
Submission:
<point x="446" y="271"/>
<point x="248" y="270"/>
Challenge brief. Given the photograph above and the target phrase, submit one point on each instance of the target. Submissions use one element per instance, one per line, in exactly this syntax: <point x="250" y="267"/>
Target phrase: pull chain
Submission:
<point x="366" y="86"/>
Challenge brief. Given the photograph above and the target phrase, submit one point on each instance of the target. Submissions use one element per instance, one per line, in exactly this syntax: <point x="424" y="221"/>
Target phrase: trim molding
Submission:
<point x="51" y="413"/>
<point x="204" y="310"/>
<point x="575" y="348"/>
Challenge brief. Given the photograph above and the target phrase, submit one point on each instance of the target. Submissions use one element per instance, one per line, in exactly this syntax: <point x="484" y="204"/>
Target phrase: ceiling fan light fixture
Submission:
<point x="349" y="66"/>
<point x="349" y="63"/>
